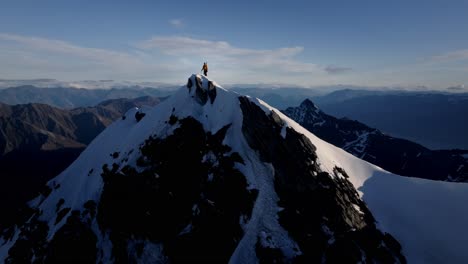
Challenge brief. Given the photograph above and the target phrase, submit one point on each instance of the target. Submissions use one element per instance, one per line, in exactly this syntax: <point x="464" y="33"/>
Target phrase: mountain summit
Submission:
<point x="210" y="175"/>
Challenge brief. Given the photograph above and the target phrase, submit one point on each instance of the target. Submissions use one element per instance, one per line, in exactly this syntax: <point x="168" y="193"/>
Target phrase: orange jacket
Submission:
<point x="205" y="67"/>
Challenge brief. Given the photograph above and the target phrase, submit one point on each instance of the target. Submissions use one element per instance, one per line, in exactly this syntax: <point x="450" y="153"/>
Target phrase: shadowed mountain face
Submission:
<point x="38" y="141"/>
<point x="399" y="156"/>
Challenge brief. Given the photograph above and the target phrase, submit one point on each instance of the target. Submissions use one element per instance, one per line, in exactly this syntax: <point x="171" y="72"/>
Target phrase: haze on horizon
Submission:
<point x="305" y="43"/>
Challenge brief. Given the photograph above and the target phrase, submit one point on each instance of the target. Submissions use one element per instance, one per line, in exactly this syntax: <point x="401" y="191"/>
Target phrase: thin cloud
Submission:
<point x="190" y="46"/>
<point x="43" y="57"/>
<point x="457" y="55"/>
<point x="337" y="69"/>
<point x="177" y="23"/>
<point x="58" y="46"/>
<point x="162" y="58"/>
<point x="457" y="88"/>
<point x="281" y="59"/>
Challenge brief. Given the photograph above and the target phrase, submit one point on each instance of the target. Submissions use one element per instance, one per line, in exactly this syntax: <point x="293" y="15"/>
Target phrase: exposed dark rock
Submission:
<point x="139" y="115"/>
<point x="61" y="214"/>
<point x="172" y="200"/>
<point x="173" y="119"/>
<point x="189" y="84"/>
<point x="320" y="210"/>
<point x="32" y="241"/>
<point x="22" y="214"/>
<point x="90" y="208"/>
<point x="74" y="242"/>
<point x="45" y="191"/>
<point x="202" y="94"/>
<point x="59" y="204"/>
<point x="211" y="92"/>
<point x="268" y="255"/>
<point x="115" y="155"/>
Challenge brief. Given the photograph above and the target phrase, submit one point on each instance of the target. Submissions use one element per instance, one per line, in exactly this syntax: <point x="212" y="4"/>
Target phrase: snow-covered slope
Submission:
<point x="211" y="175"/>
<point x="427" y="217"/>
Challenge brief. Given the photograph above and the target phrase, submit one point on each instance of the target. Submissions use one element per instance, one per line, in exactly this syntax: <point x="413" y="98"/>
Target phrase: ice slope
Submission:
<point x="428" y="218"/>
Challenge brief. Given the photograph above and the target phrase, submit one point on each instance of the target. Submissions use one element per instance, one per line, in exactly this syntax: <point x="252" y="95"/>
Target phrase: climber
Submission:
<point x="205" y="68"/>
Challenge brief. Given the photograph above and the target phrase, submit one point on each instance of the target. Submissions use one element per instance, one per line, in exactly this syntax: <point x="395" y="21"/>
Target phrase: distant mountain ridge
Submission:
<point x="436" y="120"/>
<point x="38" y="141"/>
<point x="88" y="84"/>
<point x="46" y="127"/>
<point x="399" y="156"/>
<point x="74" y="97"/>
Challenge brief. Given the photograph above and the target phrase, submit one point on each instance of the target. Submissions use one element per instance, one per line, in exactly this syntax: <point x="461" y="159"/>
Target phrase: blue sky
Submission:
<point x="370" y="43"/>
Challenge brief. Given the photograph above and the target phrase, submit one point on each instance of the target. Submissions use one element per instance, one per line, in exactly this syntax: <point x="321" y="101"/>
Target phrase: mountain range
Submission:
<point x="38" y="141"/>
<point x="399" y="156"/>
<point x="68" y="97"/>
<point x="209" y="175"/>
<point x="436" y="120"/>
<point x="88" y="84"/>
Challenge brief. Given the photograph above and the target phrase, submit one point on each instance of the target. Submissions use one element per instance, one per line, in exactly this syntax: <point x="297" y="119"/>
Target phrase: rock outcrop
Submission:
<point x="204" y="89"/>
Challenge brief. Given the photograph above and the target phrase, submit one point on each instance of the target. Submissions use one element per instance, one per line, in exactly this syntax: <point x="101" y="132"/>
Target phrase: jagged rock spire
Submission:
<point x="204" y="89"/>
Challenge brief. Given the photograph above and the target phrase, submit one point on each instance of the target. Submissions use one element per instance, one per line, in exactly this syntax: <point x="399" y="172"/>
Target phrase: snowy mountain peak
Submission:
<point x="307" y="103"/>
<point x="210" y="175"/>
<point x="307" y="112"/>
<point x="202" y="88"/>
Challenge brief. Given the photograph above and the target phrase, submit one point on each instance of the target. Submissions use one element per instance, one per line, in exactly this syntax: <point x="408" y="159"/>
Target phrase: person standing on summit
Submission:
<point x="205" y="69"/>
